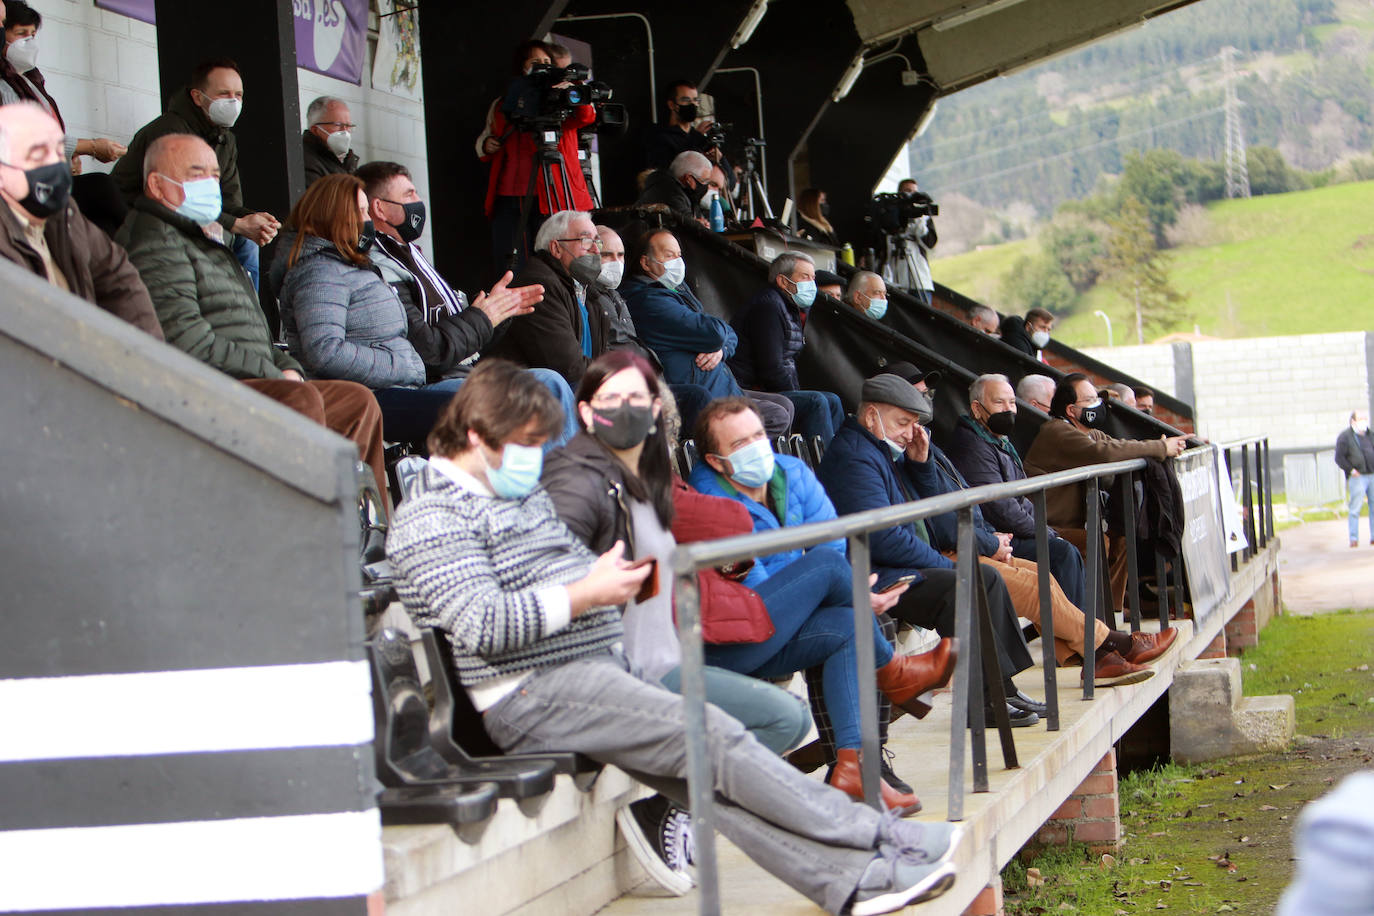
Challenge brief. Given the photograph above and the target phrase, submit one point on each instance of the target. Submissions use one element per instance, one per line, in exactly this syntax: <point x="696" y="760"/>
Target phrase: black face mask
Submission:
<point x="825" y="211"/>
<point x="49" y="187"/>
<point x="622" y="427"/>
<point x="413" y="223"/>
<point x="1002" y="422"/>
<point x="368" y="237"/>
<point x="700" y="190"/>
<point x="586" y="269"/>
<point x="1093" y="417"/>
<point x="686" y="113"/>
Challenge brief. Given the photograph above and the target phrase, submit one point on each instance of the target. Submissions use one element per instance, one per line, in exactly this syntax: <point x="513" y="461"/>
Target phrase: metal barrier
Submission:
<point x="974" y="635"/>
<point x="1256" y="493"/>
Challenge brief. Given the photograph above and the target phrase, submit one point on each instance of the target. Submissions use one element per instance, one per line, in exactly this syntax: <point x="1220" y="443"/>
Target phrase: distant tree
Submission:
<point x="1037" y="282"/>
<point x="1078" y="246"/>
<point x="1270" y="173"/>
<point x="1140" y="271"/>
<point x="1155" y="179"/>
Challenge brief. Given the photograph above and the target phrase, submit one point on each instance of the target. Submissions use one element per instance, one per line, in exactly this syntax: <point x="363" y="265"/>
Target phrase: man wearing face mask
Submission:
<point x="692" y="345"/>
<point x="43" y="232"/>
<point x="770" y="335"/>
<point x="681" y="186"/>
<point x="1031" y="334"/>
<point x="1071" y="439"/>
<point x="867" y="294"/>
<point x="328" y="139"/>
<point x="207" y="108"/>
<point x="675" y="135"/>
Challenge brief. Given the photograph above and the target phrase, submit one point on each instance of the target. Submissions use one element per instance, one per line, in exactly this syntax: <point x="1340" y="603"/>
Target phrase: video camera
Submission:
<point x="715" y="134"/>
<point x="892" y="213"/>
<point x="537" y="100"/>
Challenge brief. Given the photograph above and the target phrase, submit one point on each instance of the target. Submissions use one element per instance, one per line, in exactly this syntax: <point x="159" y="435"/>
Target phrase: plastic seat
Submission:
<point x="405" y="758"/>
<point x="466" y="808"/>
<point x="456" y="730"/>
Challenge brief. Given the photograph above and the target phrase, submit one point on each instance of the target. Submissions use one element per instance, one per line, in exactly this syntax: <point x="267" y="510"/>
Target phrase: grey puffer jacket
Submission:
<point x="344" y="322"/>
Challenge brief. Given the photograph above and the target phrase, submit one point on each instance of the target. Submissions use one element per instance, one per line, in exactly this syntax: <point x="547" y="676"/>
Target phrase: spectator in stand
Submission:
<point x="692" y="345"/>
<point x="830" y="284"/>
<point x="206" y="305"/>
<point x="1072" y="439"/>
<point x="328" y="139"/>
<point x="1355" y="456"/>
<point x="21" y="80"/>
<point x="814" y="211"/>
<point x="509" y="146"/>
<point x="867" y="293"/>
<point x="444" y="328"/>
<point x="924" y="382"/>
<point x="867" y="466"/>
<point x="207" y="107"/>
<point x="1144" y="399"/>
<point x="921" y="237"/>
<point x="810" y="597"/>
<point x="770" y="333"/>
<point x="1031" y="334"/>
<point x="559" y="55"/>
<point x="681" y="186"/>
<point x="1124" y="393"/>
<point x="43" y="231"/>
<point x="984" y="319"/>
<point x="533" y="616"/>
<point x="1108" y="394"/>
<point x="342" y="320"/>
<point x="1037" y="391"/>
<point x="665" y="141"/>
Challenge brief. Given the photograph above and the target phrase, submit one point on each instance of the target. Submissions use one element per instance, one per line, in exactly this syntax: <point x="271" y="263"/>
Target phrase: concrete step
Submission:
<point x="1264" y="723"/>
<point x="1209" y="716"/>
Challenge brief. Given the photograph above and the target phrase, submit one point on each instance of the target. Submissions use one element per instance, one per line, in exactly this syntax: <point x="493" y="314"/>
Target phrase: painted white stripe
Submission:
<point x="264" y="858"/>
<point x="178" y="712"/>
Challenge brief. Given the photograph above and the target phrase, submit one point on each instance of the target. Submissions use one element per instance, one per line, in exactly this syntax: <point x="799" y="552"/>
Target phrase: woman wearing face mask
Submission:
<point x="1073" y="438"/>
<point x="814" y="210"/>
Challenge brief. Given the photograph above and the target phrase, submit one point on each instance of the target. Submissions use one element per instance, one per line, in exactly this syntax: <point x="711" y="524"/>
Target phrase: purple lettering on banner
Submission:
<point x="331" y="35"/>
<point x="134" y="9"/>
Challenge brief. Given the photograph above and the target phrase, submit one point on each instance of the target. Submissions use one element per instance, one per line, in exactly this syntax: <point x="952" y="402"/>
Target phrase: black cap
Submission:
<point x="911" y="373"/>
<point x="826" y="278"/>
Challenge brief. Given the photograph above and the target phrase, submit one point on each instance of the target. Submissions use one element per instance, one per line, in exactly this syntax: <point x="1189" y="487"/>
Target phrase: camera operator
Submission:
<point x="512" y="148"/>
<point x="663" y="142"/>
<point x="912" y="271"/>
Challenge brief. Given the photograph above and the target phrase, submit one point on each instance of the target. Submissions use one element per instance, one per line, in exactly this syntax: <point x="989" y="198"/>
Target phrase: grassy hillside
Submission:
<point x="1297" y="263"/>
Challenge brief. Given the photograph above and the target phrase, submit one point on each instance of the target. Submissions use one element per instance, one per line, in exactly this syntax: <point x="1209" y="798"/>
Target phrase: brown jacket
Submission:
<point x="96" y="268"/>
<point x="1060" y="446"/>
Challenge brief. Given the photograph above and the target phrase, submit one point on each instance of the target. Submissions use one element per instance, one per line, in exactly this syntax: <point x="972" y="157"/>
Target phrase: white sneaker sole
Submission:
<point x="928" y="888"/>
<point x="675" y="883"/>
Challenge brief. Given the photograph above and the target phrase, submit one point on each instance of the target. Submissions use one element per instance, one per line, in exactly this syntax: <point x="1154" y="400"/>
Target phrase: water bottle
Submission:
<point x="717" y="214"/>
<point x="847" y="254"/>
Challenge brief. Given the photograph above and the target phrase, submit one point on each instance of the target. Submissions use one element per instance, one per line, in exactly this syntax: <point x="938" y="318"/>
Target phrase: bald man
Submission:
<point x="205" y="301"/>
<point x="43" y="232"/>
<point x="867" y="293"/>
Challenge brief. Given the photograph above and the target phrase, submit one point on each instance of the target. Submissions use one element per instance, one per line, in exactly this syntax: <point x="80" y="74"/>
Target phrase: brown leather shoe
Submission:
<point x="1114" y="671"/>
<point x="847" y="778"/>
<point x="906" y="677"/>
<point x="1146" y="647"/>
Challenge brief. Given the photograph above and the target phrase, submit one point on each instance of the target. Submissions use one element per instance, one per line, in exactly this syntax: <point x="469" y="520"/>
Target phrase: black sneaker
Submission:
<point x="1028" y="704"/>
<point x="891" y="778"/>
<point x="1020" y="718"/>
<point x="658" y="834"/>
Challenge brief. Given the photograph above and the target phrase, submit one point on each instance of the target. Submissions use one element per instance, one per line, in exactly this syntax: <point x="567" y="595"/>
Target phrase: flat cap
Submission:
<point x="897" y="391"/>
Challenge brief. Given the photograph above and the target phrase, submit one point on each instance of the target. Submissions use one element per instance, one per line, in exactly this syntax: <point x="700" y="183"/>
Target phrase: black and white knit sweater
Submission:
<point x="474" y="565"/>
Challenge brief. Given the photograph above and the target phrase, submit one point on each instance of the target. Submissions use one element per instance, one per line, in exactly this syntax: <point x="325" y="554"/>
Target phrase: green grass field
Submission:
<point x="1299" y="263"/>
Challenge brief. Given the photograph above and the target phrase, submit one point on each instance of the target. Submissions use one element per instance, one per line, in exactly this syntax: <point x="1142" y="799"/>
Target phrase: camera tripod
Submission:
<point x="753" y="196"/>
<point x="546" y="156"/>
<point x="898" y="262"/>
<point x="584" y="159"/>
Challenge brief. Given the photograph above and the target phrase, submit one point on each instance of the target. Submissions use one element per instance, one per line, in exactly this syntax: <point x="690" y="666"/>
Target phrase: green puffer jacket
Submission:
<point x="204" y="300"/>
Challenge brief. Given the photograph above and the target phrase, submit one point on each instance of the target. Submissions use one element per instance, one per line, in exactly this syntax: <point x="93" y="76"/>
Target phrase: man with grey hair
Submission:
<point x="328" y="139"/>
<point x="1037" y="391"/>
<point x="867" y="293"/>
<point x="681" y="186"/>
<point x="984" y="319"/>
<point x="1124" y="392"/>
<point x="43" y="232"/>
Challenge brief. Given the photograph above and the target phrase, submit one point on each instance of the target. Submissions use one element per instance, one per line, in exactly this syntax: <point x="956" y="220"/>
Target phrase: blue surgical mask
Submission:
<point x="203" y="203"/>
<point x="877" y="308"/>
<point x="805" y="294"/>
<point x="751" y="465"/>
<point x="519" y="470"/>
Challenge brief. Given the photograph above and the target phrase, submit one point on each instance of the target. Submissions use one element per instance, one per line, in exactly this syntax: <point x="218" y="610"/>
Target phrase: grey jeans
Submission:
<point x="802" y="831"/>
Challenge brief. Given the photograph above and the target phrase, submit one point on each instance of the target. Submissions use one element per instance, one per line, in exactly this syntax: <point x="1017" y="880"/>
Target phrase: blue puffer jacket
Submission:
<point x="674" y="324"/>
<point x="794" y="487"/>
<point x="770" y="337"/>
<point x="344" y="322"/>
<point x="859" y="474"/>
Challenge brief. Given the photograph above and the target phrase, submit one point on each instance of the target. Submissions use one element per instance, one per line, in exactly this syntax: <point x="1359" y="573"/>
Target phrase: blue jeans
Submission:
<point x="1361" y="491"/>
<point x="811" y="605"/>
<point x="246" y="252"/>
<point x="818" y="413"/>
<point x="408" y="414"/>
<point x="776" y="718"/>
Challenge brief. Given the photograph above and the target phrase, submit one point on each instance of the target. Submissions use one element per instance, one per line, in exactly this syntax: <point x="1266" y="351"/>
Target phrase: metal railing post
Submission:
<point x="966" y="624"/>
<point x="865" y="662"/>
<point x="1132" y="563"/>
<point x="1162" y="589"/>
<point x="1042" y="554"/>
<point x="700" y="794"/>
<point x="959" y="719"/>
<point x="1093" y="563"/>
<point x="1235" y="561"/>
<point x="1261" y="491"/>
<point x="992" y="674"/>
<point x="1249" y="525"/>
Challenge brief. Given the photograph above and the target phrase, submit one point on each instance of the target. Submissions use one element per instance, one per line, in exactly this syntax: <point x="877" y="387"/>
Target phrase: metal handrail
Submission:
<point x="970" y="619"/>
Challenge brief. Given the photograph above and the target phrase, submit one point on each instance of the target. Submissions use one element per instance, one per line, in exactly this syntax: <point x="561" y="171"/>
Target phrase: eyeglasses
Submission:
<point x="586" y="242"/>
<point x="612" y="401"/>
<point x="341" y="125"/>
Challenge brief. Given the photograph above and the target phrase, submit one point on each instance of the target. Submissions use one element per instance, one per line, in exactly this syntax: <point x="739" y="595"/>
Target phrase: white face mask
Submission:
<point x="896" y="448"/>
<point x="1040" y="338"/>
<point x="611" y="273"/>
<point x="1360" y="426"/>
<point x="23" y="54"/>
<point x="674" y="272"/>
<point x="224" y="112"/>
<point x="339" y="142"/>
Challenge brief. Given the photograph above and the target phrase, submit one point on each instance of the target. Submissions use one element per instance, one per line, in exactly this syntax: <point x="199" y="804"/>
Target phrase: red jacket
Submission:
<point x="511" y="164"/>
<point x="730" y="612"/>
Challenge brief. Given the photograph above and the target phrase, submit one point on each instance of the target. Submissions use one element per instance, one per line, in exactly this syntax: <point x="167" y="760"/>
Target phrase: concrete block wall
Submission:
<point x="1153" y="364"/>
